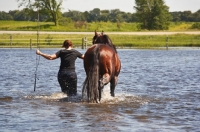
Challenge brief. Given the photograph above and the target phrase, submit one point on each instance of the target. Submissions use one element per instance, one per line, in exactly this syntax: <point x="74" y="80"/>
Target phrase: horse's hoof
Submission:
<point x="112" y="94"/>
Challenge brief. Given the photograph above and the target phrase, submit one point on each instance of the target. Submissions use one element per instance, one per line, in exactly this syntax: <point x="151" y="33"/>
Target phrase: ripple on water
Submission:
<point x="6" y="99"/>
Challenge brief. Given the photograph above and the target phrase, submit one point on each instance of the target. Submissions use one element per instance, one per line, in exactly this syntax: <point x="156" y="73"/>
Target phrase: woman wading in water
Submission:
<point x="67" y="77"/>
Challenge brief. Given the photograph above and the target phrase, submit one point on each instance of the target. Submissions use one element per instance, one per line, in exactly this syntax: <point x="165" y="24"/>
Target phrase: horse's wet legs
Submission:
<point x="103" y="81"/>
<point x="113" y="83"/>
<point x="112" y="89"/>
<point x="100" y="91"/>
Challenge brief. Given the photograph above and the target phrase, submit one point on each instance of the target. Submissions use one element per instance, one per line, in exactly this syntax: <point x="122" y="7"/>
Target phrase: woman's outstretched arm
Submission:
<point x="46" y="56"/>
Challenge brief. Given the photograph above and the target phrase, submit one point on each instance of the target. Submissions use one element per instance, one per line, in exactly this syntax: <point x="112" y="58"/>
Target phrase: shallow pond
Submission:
<point x="158" y="90"/>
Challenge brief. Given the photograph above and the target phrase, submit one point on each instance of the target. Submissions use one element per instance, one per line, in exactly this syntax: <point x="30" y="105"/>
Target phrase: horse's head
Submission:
<point x="103" y="39"/>
<point x="96" y="38"/>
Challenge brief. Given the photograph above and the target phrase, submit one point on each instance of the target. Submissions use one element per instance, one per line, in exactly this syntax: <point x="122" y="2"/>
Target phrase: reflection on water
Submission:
<point x="157" y="91"/>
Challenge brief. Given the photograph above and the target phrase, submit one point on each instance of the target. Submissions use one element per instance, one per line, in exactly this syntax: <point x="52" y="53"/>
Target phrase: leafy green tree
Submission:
<point x="74" y="15"/>
<point x="49" y="8"/>
<point x="127" y="17"/>
<point x="86" y="15"/>
<point x="95" y="14"/>
<point x="196" y="16"/>
<point x="114" y="15"/>
<point x="22" y="15"/>
<point x="153" y="14"/>
<point x="176" y="16"/>
<point x="104" y="15"/>
<point x="5" y="16"/>
<point x="160" y="17"/>
<point x="186" y="16"/>
<point x="142" y="12"/>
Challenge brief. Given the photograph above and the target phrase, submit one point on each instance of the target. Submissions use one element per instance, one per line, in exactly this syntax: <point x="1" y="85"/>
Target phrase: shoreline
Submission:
<point x="124" y="48"/>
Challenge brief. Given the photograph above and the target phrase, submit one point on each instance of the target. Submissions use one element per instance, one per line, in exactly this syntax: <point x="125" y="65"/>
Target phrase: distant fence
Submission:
<point x="51" y="43"/>
<point x="144" y="42"/>
<point x="82" y="43"/>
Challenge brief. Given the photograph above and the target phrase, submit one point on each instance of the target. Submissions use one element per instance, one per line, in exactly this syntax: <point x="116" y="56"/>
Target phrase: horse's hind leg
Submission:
<point x="104" y="80"/>
<point x="113" y="83"/>
<point x="100" y="92"/>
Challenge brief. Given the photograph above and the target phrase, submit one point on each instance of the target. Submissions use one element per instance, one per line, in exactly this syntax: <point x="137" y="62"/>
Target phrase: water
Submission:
<point x="157" y="91"/>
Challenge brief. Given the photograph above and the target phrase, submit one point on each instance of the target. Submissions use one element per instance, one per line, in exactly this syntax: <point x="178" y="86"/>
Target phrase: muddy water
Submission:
<point x="158" y="90"/>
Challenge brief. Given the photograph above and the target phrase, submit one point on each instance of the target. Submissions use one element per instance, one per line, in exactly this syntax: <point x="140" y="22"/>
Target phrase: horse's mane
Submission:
<point x="106" y="40"/>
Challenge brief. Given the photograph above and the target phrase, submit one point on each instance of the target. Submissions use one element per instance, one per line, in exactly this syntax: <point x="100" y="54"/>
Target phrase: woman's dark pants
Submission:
<point x="68" y="82"/>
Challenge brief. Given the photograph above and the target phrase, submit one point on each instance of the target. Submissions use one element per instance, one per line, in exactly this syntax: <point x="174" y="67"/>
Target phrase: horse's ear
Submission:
<point x="95" y="33"/>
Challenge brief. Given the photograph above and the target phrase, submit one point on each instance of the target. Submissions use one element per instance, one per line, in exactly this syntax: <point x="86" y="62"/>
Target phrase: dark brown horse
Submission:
<point x="102" y="65"/>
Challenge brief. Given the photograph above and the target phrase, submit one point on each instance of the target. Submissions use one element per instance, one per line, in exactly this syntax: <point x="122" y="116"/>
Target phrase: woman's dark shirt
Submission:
<point x="68" y="58"/>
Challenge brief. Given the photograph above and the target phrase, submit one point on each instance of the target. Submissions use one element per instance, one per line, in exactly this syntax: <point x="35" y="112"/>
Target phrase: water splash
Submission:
<point x="54" y="96"/>
<point x="121" y="97"/>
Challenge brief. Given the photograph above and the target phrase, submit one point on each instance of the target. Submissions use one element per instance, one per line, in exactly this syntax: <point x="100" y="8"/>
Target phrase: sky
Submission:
<point x="122" y="5"/>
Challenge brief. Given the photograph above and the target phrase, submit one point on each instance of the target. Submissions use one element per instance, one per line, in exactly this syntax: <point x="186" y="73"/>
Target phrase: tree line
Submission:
<point x="150" y="14"/>
<point x="96" y="14"/>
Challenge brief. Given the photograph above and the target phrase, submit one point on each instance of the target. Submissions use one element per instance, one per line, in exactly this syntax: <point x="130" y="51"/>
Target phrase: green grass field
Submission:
<point x="69" y="27"/>
<point x="83" y="27"/>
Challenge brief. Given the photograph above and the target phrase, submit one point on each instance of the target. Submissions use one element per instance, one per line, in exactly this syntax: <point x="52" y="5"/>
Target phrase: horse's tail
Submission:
<point x="91" y="83"/>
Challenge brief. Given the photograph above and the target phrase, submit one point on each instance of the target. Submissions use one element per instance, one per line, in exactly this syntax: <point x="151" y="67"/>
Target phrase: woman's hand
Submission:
<point x="38" y="52"/>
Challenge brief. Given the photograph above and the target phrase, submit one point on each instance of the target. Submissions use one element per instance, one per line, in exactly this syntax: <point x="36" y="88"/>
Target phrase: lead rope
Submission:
<point x="37" y="56"/>
<point x="37" y="64"/>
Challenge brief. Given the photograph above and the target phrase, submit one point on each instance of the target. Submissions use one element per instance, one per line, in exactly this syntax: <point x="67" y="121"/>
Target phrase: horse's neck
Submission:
<point x="112" y="46"/>
<point x="109" y="43"/>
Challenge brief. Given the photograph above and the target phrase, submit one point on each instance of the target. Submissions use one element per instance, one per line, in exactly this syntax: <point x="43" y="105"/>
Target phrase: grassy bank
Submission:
<point x="84" y="27"/>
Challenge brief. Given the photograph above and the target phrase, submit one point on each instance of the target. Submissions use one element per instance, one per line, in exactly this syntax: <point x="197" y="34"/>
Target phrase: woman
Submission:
<point x="67" y="77"/>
